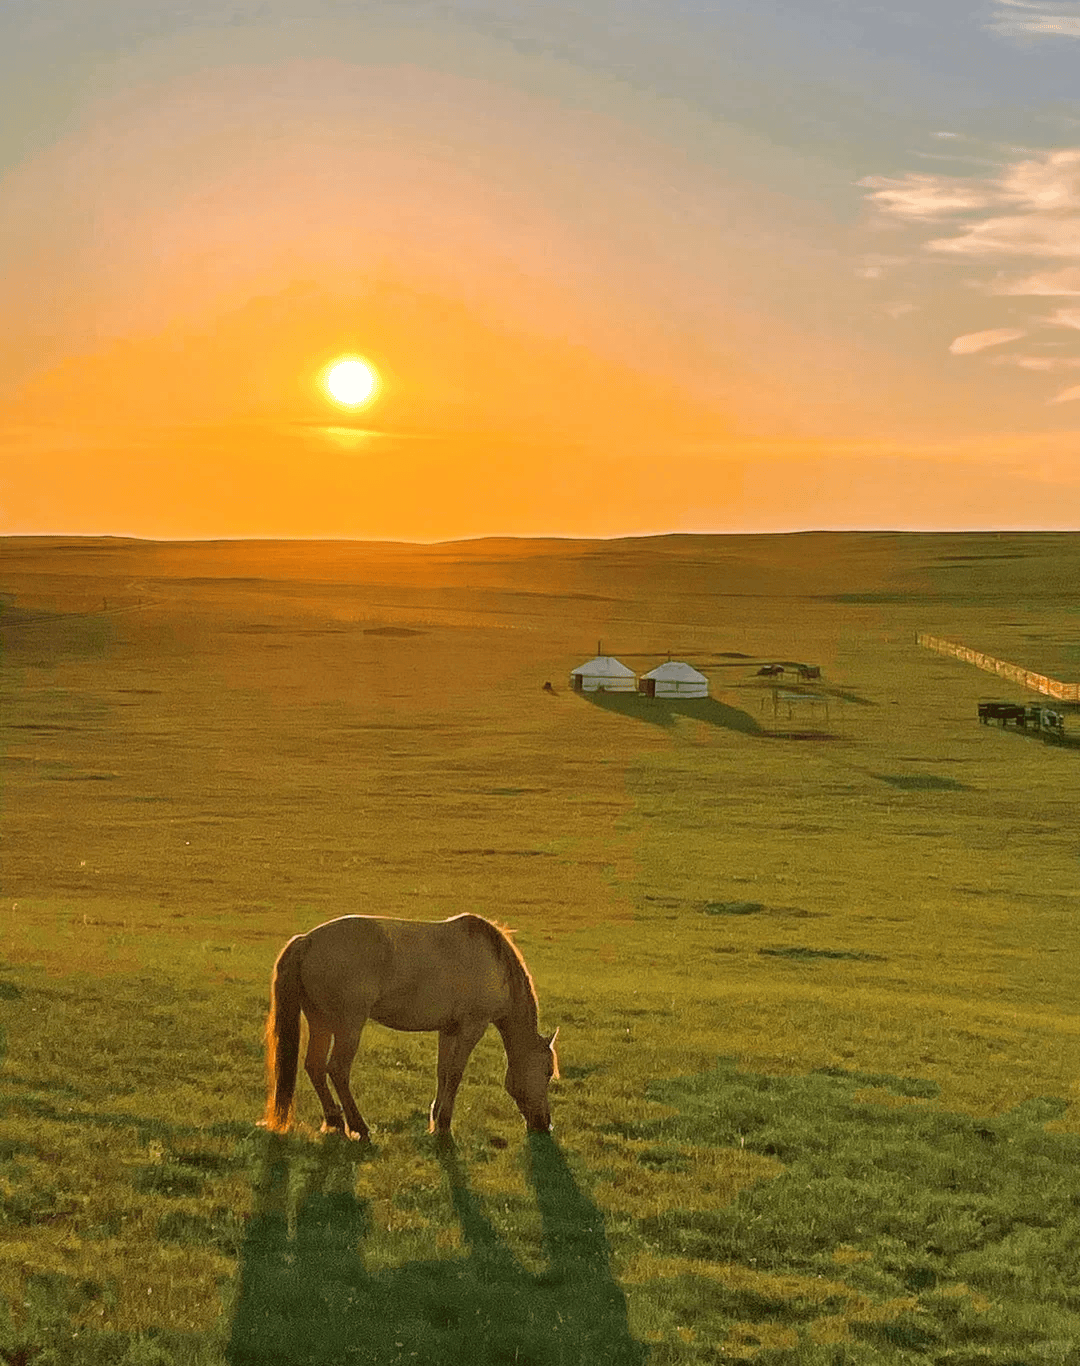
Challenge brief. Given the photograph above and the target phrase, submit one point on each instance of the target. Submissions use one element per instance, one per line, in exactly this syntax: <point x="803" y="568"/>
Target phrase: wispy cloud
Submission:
<point x="928" y="196"/>
<point x="1043" y="192"/>
<point x="1034" y="234"/>
<point x="1035" y="18"/>
<point x="1054" y="283"/>
<point x="1041" y="363"/>
<point x="1067" y="395"/>
<point x="1024" y="212"/>
<point x="979" y="341"/>
<point x="1065" y="317"/>
<point x="874" y="266"/>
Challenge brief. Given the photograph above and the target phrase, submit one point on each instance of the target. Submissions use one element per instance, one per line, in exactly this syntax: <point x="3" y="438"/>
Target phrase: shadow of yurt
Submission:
<point x="665" y="711"/>
<point x="634" y="705"/>
<point x="675" y="688"/>
<point x="710" y="712"/>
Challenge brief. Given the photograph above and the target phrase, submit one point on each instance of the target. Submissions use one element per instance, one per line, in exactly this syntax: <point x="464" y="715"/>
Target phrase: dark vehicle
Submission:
<point x="1003" y="712"/>
<point x="770" y="670"/>
<point x="1045" y="719"/>
<point x="1042" y="719"/>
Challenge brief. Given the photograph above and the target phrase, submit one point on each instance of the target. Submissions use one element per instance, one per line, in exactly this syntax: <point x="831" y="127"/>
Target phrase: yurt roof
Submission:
<point x="676" y="671"/>
<point x="606" y="666"/>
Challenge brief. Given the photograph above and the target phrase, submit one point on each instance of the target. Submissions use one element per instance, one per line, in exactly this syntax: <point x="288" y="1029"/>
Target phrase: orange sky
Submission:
<point x="594" y="310"/>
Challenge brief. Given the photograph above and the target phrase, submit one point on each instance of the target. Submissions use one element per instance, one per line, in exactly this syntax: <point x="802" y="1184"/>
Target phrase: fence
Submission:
<point x="1051" y="687"/>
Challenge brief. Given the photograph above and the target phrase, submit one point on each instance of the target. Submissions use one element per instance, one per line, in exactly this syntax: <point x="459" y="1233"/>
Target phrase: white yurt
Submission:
<point x="603" y="674"/>
<point x="674" y="679"/>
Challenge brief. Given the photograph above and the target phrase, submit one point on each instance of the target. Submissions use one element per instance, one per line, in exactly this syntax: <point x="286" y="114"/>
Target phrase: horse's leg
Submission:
<point x="346" y="1042"/>
<point x="455" y="1046"/>
<point x="319" y="1037"/>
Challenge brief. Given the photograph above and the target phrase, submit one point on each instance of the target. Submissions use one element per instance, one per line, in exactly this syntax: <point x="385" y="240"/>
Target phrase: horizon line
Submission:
<point x="284" y="539"/>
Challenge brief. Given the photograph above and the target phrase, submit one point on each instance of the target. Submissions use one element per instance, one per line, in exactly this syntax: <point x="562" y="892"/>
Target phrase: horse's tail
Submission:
<point x="283" y="1034"/>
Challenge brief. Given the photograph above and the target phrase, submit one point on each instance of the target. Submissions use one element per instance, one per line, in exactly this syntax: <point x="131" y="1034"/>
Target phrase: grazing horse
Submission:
<point x="455" y="976"/>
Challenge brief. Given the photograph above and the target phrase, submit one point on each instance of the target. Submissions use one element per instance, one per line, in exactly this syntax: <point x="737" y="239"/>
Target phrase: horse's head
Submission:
<point x="527" y="1079"/>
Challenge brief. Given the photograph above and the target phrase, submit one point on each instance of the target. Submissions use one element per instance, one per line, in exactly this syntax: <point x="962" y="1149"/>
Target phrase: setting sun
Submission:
<point x="350" y="382"/>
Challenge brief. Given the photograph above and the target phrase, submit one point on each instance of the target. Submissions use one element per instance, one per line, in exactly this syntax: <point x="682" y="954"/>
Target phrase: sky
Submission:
<point x="625" y="268"/>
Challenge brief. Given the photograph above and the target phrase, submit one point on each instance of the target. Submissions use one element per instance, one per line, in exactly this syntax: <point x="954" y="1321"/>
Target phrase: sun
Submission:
<point x="350" y="381"/>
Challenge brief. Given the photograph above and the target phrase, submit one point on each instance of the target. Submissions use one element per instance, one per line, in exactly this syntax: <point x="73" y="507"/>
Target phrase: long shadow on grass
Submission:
<point x="933" y="1236"/>
<point x="662" y="711"/>
<point x="306" y="1296"/>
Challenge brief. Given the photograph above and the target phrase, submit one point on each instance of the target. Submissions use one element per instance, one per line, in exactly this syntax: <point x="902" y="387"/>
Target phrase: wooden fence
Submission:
<point x="1051" y="687"/>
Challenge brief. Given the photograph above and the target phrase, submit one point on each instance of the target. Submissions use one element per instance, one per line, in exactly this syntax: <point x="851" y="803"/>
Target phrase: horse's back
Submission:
<point x="344" y="961"/>
<point x="406" y="974"/>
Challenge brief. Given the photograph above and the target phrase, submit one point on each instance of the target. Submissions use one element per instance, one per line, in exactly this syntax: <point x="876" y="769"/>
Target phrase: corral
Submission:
<point x="817" y="1003"/>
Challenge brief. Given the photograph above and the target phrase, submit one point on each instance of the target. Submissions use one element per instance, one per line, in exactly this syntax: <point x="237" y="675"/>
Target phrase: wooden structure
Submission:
<point x="781" y="697"/>
<point x="1015" y="673"/>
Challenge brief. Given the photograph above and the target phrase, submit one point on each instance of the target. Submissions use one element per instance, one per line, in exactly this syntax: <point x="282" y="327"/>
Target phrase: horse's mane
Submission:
<point x="522" y="989"/>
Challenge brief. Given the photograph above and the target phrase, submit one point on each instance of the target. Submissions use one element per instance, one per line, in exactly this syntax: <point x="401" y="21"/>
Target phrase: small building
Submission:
<point x="674" y="679"/>
<point x="603" y="674"/>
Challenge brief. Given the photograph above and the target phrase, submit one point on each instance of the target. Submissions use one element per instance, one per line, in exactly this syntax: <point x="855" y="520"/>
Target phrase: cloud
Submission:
<point x="956" y="158"/>
<point x="1065" y="317"/>
<point x="1067" y="395"/>
<point x="1046" y="363"/>
<point x="1043" y="192"/>
<point x="927" y="196"/>
<point x="1046" y="182"/>
<point x="1026" y="209"/>
<point x="1036" y="199"/>
<point x="1035" y="234"/>
<point x="1042" y="282"/>
<point x="1035" y="19"/>
<point x="979" y="341"/>
<point x="875" y="266"/>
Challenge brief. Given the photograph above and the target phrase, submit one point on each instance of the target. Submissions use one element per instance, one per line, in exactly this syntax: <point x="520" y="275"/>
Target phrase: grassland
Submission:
<point x="815" y="977"/>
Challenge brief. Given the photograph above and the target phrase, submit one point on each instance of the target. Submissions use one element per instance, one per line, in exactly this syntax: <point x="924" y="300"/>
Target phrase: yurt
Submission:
<point x="674" y="679"/>
<point x="603" y="674"/>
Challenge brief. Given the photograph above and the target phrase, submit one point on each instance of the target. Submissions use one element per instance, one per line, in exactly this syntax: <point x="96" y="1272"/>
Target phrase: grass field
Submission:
<point x="815" y="976"/>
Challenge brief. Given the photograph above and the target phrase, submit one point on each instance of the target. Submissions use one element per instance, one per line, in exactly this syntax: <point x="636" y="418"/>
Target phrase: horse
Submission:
<point x="455" y="976"/>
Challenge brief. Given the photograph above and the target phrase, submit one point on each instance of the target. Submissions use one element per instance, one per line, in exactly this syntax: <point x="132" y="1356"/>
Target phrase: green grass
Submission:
<point x="948" y="1235"/>
<point x="815" y="979"/>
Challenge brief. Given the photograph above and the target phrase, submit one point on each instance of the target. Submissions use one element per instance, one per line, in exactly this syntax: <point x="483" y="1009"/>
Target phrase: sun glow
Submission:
<point x="350" y="382"/>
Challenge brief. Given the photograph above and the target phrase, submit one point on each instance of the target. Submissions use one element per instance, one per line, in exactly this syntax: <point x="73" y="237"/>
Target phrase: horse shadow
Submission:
<point x="305" y="1296"/>
<point x="663" y="711"/>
